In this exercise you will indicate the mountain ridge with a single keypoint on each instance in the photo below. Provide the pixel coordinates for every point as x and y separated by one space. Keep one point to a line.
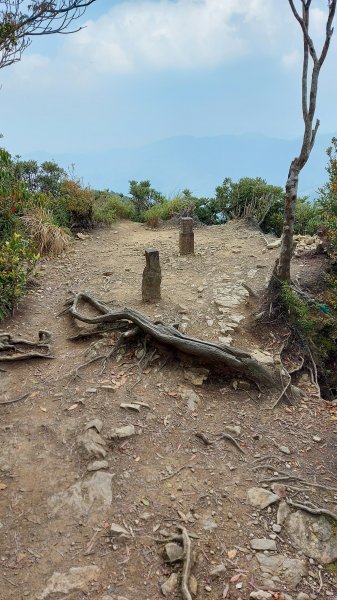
197 163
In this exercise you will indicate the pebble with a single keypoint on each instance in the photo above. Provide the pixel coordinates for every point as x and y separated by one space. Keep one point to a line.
317 438
263 544
208 588
277 528
284 449
170 584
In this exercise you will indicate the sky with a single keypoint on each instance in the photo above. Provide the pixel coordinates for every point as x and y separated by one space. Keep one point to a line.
145 70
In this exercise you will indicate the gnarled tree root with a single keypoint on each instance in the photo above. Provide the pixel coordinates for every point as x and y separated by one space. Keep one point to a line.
18 349
231 358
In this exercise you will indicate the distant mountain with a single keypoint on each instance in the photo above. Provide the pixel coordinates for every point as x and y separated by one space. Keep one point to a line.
199 164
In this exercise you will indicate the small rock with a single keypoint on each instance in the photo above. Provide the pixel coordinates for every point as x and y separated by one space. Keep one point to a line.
263 544
234 429
92 443
174 552
261 595
77 579
317 438
210 322
91 391
284 449
314 535
123 432
192 399
209 524
277 528
261 498
130 406
303 596
97 465
196 376
218 570
170 584
94 424
279 489
119 531
290 569
193 585
282 513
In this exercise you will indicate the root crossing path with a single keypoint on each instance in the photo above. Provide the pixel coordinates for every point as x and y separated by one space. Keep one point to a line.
96 467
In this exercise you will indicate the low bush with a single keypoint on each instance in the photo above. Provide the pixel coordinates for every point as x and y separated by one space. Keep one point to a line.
16 262
76 203
108 207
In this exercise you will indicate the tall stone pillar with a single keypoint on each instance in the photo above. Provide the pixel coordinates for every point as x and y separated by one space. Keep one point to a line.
186 236
151 276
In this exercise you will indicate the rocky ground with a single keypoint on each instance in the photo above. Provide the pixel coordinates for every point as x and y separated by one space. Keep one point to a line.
106 479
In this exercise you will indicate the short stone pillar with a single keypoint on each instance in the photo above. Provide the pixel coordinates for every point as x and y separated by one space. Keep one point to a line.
151 276
186 236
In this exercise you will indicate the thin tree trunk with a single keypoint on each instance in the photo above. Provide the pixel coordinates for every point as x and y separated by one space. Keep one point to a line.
282 266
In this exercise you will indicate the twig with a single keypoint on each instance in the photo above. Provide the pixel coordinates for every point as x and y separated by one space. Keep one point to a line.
226 436
176 472
203 438
16 399
187 564
313 511
283 391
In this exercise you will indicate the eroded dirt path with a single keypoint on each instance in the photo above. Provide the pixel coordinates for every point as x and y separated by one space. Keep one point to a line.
56 515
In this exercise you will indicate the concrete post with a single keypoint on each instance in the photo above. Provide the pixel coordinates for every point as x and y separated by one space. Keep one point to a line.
186 236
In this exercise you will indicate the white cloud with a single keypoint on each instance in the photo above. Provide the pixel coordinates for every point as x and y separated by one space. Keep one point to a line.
292 59
162 34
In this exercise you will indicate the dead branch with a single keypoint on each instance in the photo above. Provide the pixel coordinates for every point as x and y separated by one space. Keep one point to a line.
187 544
226 436
231 358
176 472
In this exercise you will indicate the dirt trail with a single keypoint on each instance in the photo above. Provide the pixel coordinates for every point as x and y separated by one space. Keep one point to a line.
55 515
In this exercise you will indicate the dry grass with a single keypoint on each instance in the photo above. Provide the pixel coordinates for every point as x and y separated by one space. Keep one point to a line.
49 238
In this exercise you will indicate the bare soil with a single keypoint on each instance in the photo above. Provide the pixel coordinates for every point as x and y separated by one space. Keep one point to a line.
164 476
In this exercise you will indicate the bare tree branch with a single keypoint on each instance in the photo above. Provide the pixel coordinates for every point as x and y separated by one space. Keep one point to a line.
19 22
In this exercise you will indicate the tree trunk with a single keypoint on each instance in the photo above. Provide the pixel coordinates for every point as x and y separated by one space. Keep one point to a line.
282 265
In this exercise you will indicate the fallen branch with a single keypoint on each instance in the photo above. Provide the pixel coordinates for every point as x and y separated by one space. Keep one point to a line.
221 436
226 436
176 472
187 544
231 358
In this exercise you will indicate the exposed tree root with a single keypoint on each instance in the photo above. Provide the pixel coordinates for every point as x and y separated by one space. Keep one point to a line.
14 349
15 399
313 510
230 358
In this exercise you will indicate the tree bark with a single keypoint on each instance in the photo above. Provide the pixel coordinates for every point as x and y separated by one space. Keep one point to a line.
282 266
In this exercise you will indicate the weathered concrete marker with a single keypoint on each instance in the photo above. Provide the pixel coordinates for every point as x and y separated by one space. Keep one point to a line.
151 276
186 236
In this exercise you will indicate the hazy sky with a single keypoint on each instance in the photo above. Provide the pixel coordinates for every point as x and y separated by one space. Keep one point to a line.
143 70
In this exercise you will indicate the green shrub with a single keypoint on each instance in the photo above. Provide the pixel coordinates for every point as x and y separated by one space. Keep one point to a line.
298 311
77 203
109 206
16 262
